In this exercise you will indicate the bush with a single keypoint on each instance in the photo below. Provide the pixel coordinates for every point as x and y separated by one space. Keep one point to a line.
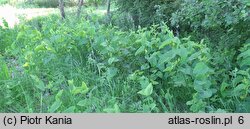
148 12
3 2
6 37
226 20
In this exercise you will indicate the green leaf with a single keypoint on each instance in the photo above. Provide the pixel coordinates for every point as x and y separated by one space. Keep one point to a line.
112 59
84 86
165 43
153 59
245 62
237 80
76 90
240 88
59 95
112 110
201 68
186 70
194 56
179 79
145 66
144 81
55 106
111 72
4 71
82 103
85 89
223 87
206 94
166 57
147 91
40 47
71 84
140 50
38 83
109 110
245 54
70 110
182 52
117 109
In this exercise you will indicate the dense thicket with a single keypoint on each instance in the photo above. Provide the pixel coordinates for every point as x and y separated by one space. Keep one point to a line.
226 20
175 56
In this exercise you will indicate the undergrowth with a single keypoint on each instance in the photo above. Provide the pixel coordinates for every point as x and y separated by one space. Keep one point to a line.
49 65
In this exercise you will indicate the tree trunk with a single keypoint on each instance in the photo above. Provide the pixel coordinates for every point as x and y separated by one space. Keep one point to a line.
108 9
96 3
61 6
80 4
136 20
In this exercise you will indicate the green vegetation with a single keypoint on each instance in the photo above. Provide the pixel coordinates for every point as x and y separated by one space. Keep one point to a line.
36 3
3 2
51 3
163 59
